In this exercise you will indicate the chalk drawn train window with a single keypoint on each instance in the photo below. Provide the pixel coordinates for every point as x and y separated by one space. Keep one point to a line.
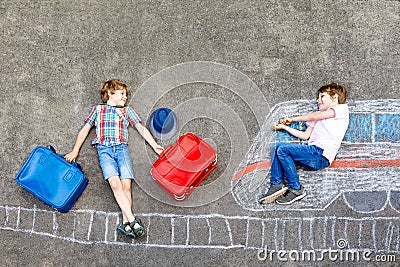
365 172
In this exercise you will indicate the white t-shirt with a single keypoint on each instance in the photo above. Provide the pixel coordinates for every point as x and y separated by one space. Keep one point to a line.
328 133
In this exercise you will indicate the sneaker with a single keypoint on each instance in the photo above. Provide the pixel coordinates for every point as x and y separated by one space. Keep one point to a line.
291 196
273 193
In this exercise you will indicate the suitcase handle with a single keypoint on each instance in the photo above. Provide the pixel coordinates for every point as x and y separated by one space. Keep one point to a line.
52 149
76 164
191 135
170 147
165 151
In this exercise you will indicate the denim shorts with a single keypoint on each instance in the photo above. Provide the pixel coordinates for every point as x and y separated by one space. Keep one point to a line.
115 161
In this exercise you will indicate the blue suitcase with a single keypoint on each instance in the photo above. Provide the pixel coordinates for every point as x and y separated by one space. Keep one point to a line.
53 180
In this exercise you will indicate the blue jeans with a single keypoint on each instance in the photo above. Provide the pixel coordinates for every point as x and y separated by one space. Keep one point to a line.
284 156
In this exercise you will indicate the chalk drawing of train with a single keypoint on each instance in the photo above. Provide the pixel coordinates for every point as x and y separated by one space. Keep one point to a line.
366 171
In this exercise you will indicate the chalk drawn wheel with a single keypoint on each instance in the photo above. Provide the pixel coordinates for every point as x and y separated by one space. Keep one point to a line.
366 201
395 200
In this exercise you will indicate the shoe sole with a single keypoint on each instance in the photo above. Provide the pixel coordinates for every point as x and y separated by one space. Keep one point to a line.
271 198
293 200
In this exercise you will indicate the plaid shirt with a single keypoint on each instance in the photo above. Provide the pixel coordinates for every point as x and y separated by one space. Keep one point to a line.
111 124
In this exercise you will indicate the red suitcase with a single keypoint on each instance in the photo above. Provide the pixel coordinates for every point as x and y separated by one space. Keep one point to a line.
181 167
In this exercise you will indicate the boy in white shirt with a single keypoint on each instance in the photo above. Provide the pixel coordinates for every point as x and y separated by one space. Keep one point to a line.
325 131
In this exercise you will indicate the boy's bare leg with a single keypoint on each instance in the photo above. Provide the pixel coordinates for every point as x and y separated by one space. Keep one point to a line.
124 202
126 187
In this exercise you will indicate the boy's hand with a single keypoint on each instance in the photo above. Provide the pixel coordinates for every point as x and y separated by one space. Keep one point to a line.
71 156
278 127
286 121
158 149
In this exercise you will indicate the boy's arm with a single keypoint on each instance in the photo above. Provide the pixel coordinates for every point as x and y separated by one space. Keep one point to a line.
314 116
303 135
83 133
145 133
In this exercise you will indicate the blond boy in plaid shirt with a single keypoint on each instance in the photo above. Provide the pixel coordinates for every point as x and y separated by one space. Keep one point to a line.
111 121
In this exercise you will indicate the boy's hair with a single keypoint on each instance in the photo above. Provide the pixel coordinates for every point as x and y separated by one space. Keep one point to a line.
111 86
334 89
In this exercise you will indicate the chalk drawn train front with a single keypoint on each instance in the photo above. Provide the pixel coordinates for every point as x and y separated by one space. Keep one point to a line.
365 172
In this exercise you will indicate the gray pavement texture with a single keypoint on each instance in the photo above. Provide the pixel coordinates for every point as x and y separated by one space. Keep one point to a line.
221 65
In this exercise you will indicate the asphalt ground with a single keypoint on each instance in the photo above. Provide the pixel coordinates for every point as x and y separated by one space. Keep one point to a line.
222 66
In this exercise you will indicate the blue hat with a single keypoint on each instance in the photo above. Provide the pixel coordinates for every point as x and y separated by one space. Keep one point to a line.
163 124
